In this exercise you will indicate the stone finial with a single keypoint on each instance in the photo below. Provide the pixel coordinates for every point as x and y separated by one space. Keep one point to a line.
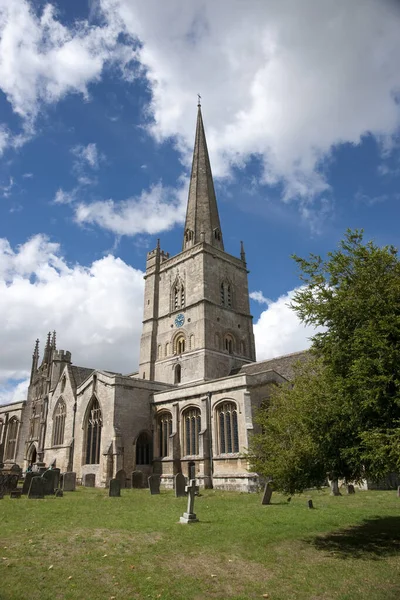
242 252
36 349
53 340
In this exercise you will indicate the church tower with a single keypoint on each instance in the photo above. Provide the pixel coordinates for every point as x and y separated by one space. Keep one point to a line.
197 324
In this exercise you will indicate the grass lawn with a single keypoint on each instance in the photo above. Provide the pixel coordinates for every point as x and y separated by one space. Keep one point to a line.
89 546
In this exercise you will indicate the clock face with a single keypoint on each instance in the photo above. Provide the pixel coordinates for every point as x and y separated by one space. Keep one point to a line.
179 320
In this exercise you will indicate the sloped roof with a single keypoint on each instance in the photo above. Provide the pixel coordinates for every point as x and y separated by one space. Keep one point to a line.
284 365
80 373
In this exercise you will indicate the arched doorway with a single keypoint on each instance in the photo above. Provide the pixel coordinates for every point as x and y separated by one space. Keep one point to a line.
32 456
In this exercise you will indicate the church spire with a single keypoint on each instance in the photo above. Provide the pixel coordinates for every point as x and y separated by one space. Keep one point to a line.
202 219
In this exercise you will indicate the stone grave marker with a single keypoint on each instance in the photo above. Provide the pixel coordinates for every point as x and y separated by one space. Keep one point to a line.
310 503
58 493
137 479
180 484
27 481
69 481
121 476
36 490
154 484
89 480
15 494
335 488
51 478
350 489
189 516
114 490
266 499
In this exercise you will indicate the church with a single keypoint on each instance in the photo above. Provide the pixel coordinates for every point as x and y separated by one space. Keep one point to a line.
190 407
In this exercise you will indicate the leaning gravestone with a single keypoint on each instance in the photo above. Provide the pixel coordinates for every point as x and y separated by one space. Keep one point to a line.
180 484
266 499
69 482
114 490
121 476
27 481
154 484
36 490
89 480
137 479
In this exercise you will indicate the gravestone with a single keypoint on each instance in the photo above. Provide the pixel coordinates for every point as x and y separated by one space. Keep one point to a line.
27 481
114 490
36 490
335 488
350 489
180 484
89 480
154 484
266 499
51 478
58 493
398 492
69 481
189 516
121 476
15 494
137 479
310 503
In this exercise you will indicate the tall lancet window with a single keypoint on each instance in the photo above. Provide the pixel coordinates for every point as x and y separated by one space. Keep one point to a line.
178 295
94 425
59 423
12 434
164 426
228 434
191 431
226 294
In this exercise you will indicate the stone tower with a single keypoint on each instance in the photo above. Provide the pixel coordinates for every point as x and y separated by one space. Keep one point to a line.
197 324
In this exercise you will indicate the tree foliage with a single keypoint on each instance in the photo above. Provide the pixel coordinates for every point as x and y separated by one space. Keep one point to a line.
346 400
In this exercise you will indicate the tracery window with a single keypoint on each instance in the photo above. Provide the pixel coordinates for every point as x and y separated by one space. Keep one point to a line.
59 423
191 430
12 434
34 425
164 426
228 435
94 425
144 449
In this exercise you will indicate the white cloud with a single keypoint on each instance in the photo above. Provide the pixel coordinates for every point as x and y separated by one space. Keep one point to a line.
41 59
97 310
259 297
4 138
153 211
281 79
87 154
13 391
63 197
279 331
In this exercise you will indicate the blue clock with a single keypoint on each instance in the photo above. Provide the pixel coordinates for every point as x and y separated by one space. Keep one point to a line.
179 320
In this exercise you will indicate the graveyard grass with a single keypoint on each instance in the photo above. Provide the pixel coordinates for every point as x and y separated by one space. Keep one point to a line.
87 545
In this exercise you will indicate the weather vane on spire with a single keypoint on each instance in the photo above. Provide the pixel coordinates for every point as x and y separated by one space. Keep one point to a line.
198 100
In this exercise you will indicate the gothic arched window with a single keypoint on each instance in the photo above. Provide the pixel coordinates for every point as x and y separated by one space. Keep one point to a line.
178 298
180 344
59 423
228 435
94 425
144 449
177 374
12 434
229 344
191 421
164 427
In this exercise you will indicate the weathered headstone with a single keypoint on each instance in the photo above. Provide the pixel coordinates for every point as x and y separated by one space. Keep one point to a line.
154 484
350 489
310 503
27 481
36 490
69 481
121 476
266 499
51 478
180 484
335 488
114 490
15 494
137 479
89 480
189 516
58 493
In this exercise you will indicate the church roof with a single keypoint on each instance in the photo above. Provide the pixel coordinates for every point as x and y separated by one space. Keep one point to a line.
80 374
284 365
202 219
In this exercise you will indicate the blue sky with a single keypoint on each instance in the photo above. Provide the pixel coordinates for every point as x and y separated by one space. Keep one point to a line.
97 119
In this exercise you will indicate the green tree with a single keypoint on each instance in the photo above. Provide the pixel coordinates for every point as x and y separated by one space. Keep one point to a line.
347 399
